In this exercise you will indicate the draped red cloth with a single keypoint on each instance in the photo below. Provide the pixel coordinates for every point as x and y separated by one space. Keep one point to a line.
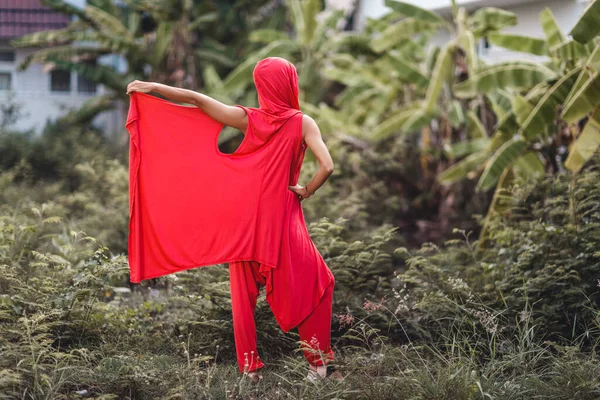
192 206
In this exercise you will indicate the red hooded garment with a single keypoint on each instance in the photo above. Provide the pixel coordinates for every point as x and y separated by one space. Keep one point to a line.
193 206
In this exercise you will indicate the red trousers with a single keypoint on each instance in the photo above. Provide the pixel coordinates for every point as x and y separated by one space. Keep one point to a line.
314 331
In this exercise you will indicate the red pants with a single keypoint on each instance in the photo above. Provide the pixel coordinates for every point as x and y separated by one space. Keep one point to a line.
314 330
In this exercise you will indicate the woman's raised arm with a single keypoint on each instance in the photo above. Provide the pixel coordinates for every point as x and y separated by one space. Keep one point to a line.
227 115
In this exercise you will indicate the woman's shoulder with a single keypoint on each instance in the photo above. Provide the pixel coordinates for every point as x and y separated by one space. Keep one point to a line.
308 123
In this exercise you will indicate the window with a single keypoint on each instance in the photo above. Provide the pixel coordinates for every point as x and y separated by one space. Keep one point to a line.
60 80
84 85
5 81
483 46
7 56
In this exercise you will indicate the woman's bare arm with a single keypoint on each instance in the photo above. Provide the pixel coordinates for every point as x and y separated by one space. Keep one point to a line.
314 141
227 115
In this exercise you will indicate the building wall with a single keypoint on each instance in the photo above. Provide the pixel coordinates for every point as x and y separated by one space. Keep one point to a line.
566 12
31 91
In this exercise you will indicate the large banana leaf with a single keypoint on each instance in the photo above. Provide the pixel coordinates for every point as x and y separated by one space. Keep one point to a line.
490 19
466 40
109 24
415 12
545 112
465 148
395 123
409 73
86 112
521 107
528 167
420 119
266 35
588 26
523 44
507 121
572 50
463 168
399 32
431 58
584 101
241 77
475 127
456 114
586 144
310 9
50 38
65 52
441 74
325 27
304 16
592 63
65 7
554 35
517 75
500 101
503 158
214 85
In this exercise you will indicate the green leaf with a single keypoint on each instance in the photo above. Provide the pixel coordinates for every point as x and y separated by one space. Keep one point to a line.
241 77
572 50
214 85
491 19
517 75
409 73
466 40
395 123
475 127
588 26
266 36
463 168
399 32
109 24
500 101
415 12
465 148
322 32
586 99
431 58
529 166
420 119
310 10
503 158
442 73
65 53
519 43
521 107
586 144
554 35
456 115
545 112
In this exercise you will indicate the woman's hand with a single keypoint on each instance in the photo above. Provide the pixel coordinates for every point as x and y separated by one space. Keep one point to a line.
140 86
300 192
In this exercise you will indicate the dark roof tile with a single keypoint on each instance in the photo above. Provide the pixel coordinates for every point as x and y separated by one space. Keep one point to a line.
20 17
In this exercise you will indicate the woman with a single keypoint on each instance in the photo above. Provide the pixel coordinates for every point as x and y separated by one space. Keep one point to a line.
299 288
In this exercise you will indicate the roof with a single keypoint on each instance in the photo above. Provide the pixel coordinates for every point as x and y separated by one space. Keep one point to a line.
20 17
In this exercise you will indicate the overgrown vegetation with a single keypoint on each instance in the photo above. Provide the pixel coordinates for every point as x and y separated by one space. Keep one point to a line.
423 308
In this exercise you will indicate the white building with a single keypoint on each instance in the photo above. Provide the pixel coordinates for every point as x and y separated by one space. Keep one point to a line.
41 94
566 12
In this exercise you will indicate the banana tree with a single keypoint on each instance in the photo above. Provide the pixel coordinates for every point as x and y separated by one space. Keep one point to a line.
554 107
309 44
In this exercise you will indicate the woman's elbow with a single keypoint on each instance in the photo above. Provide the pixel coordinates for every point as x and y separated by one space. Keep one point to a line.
328 168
